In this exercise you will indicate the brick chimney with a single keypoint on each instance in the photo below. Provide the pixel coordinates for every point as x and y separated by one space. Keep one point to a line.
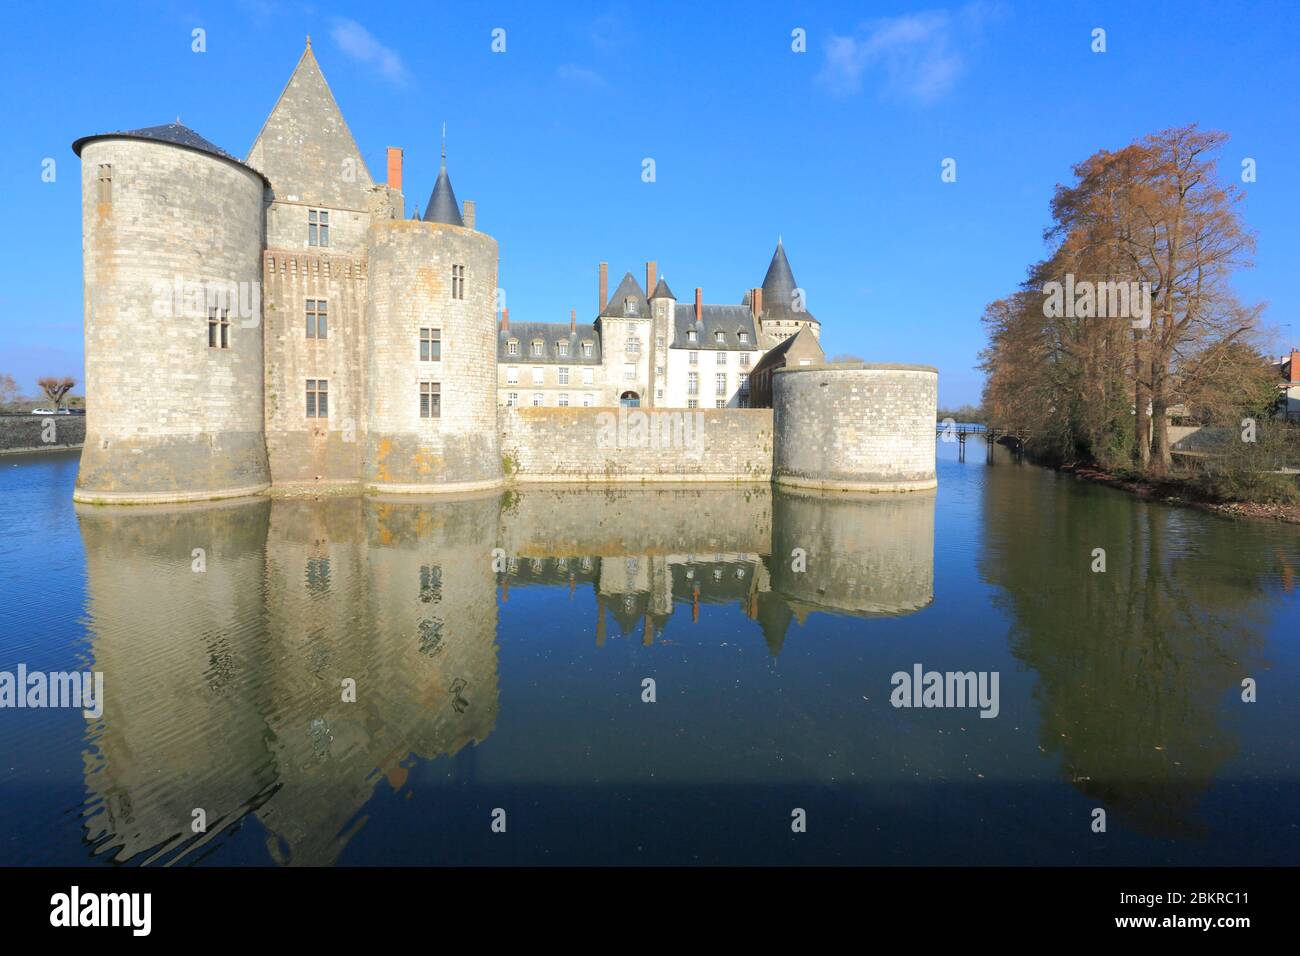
604 287
395 168
651 271
573 320
467 216
756 302
699 305
1295 366
505 320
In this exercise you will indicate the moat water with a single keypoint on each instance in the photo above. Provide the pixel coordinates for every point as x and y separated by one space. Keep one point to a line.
500 650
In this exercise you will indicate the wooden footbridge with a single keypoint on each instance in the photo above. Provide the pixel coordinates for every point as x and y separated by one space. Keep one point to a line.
992 434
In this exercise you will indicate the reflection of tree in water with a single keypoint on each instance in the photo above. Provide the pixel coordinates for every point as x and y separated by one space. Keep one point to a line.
1134 664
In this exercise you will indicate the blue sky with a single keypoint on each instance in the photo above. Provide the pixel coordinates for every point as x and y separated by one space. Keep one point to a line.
837 149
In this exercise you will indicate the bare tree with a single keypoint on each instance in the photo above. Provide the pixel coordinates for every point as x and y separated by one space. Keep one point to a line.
55 388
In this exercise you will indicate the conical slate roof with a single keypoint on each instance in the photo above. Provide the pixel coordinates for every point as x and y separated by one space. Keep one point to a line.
442 205
174 133
629 288
778 288
662 291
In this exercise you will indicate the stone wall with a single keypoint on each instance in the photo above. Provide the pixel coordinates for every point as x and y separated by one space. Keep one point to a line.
410 288
168 417
29 432
855 426
636 445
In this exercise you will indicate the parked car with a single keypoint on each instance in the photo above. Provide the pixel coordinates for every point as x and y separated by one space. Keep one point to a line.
51 411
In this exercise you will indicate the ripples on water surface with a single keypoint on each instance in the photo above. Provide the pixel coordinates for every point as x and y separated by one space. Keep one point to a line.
522 689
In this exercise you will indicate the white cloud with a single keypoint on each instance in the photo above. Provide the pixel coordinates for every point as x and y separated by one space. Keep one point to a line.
357 42
917 56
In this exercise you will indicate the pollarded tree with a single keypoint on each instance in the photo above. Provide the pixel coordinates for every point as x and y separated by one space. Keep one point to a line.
55 388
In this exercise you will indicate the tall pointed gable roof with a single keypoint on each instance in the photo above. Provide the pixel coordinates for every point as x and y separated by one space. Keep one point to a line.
779 286
629 288
305 147
442 206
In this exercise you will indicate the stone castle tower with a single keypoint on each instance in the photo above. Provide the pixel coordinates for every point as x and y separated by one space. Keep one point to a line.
225 298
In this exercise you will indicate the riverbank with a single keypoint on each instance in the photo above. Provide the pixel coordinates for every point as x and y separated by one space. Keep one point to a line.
1180 492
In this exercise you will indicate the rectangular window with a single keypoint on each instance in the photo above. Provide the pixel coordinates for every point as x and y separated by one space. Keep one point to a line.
745 358
458 282
430 400
317 319
512 347
744 338
633 346
218 328
537 399
629 372
659 341
586 401
722 358
690 335
318 405
539 376
318 227
722 383
104 184
693 358
512 399
586 350
588 376
744 382
693 383
562 349
564 375
692 403
430 345
539 349
564 399
720 337
720 403
512 375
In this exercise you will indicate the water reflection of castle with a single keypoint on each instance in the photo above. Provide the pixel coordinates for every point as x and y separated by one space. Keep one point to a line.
224 686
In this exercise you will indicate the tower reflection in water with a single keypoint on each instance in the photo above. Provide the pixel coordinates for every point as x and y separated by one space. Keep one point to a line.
226 686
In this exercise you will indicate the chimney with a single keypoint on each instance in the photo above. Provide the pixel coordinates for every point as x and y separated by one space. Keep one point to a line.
467 216
756 302
395 168
505 320
1295 366
573 320
651 270
699 305
604 287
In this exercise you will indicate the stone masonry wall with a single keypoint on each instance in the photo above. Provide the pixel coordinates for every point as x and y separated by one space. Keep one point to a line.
636 445
855 426
28 432
170 419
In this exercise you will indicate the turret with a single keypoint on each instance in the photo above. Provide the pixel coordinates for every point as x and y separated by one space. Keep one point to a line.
172 235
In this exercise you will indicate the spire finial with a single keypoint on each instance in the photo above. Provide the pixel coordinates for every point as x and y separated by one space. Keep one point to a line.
309 41
444 143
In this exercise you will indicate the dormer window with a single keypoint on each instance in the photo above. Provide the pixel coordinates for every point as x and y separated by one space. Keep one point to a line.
629 306
691 335
586 350
538 348
562 348
720 338
512 347
744 337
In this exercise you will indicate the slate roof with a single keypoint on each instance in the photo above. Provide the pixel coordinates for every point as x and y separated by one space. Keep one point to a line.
730 320
628 288
174 133
661 290
550 333
775 355
442 206
778 289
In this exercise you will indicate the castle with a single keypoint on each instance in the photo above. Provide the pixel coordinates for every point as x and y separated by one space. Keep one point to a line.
279 321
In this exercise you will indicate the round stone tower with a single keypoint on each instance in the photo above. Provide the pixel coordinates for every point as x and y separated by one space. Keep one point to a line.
172 234
855 426
431 353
